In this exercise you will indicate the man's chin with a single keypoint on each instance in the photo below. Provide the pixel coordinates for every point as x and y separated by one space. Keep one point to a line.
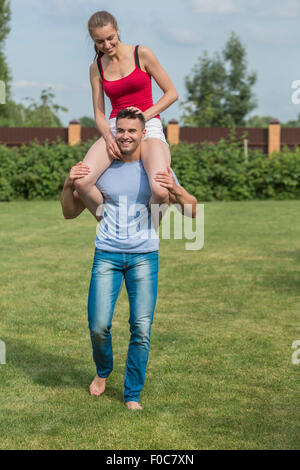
125 151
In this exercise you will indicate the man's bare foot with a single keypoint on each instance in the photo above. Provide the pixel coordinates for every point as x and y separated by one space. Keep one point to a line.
133 405
98 385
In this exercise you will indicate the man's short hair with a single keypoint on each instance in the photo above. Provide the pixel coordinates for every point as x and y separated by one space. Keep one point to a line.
131 114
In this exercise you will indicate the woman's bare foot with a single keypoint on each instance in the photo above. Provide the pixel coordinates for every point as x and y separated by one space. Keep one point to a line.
98 385
133 405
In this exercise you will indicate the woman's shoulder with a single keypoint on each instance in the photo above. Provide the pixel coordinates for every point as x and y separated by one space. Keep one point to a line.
144 51
146 56
94 66
94 72
94 69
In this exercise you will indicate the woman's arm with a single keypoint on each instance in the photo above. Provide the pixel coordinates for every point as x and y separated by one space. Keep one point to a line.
151 64
177 194
99 113
70 201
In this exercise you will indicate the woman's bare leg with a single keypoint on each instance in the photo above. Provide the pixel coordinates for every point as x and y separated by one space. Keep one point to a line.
156 157
98 161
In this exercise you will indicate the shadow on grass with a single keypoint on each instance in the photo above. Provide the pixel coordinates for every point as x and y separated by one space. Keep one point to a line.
286 282
295 254
53 370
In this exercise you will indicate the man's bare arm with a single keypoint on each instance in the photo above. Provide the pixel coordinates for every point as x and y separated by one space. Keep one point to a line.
71 204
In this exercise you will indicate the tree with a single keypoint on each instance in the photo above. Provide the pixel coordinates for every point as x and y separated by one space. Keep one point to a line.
263 121
36 114
292 123
205 88
219 89
87 121
42 113
259 121
16 115
5 75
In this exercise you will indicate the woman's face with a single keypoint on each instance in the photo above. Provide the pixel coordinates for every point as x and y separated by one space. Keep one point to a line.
106 38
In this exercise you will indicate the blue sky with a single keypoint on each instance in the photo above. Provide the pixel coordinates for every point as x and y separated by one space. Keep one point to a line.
49 46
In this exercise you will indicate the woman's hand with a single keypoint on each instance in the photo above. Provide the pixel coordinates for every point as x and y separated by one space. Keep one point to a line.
137 110
77 171
112 146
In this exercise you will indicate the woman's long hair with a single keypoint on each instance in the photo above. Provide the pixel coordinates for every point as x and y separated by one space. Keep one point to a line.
99 19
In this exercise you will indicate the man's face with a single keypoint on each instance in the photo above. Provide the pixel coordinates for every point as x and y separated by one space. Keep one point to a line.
129 134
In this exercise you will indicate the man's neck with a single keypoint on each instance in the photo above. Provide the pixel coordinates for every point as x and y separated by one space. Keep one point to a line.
133 157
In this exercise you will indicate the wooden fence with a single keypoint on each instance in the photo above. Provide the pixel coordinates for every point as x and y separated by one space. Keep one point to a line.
267 140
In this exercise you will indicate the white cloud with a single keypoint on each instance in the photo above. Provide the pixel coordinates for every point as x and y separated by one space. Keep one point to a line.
25 84
267 34
68 7
288 8
30 84
73 10
181 38
175 36
219 7
265 8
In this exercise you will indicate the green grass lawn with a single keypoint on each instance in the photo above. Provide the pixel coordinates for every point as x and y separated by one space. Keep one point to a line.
220 374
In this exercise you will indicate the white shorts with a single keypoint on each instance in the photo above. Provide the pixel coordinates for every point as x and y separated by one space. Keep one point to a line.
154 129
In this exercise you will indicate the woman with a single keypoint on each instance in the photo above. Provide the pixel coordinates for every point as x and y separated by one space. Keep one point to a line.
124 73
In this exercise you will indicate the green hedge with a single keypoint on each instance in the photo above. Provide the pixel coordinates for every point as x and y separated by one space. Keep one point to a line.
220 172
37 171
209 171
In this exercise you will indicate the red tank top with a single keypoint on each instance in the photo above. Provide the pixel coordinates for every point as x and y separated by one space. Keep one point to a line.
133 90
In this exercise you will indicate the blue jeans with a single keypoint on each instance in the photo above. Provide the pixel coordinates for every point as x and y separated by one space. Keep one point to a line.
140 271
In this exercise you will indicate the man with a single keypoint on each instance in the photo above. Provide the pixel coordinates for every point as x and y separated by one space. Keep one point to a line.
126 248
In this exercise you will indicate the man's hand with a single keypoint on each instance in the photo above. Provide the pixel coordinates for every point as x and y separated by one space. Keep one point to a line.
166 180
77 171
177 194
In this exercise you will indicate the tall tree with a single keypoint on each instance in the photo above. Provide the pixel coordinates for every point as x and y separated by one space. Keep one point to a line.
5 75
205 87
219 89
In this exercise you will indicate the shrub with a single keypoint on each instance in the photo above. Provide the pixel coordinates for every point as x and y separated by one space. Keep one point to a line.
208 171
37 171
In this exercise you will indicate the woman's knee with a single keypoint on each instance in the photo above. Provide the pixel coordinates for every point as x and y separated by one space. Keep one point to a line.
98 161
